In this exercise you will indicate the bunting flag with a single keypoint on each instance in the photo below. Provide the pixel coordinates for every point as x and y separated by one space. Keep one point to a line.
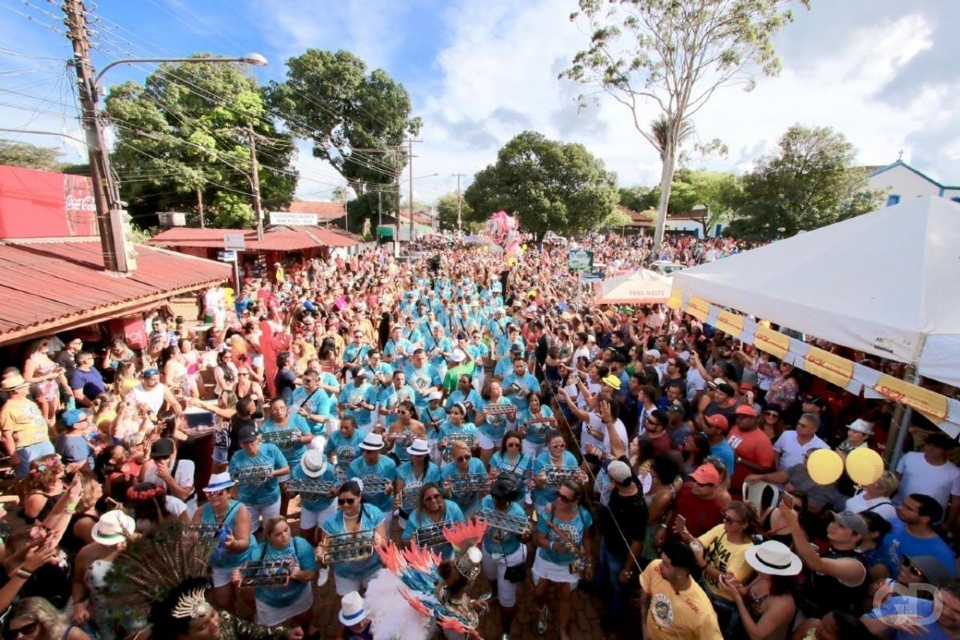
855 378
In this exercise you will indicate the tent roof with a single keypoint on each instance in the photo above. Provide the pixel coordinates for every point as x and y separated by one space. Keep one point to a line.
637 287
884 283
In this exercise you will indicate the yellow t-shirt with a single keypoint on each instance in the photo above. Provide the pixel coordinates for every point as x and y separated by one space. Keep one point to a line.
726 556
22 418
687 615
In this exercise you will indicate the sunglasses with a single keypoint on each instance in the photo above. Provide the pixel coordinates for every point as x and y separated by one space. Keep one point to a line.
343 501
729 520
25 630
565 498
436 497
213 494
911 567
463 458
513 445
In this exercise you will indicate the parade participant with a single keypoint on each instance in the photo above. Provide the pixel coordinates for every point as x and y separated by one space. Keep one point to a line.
766 605
532 430
315 508
379 373
232 521
466 394
455 429
672 604
22 425
402 432
257 468
293 425
423 378
343 446
518 384
391 397
287 604
378 473
505 552
313 404
511 459
432 509
354 618
433 416
358 400
554 457
396 349
355 516
492 424
462 464
565 553
412 475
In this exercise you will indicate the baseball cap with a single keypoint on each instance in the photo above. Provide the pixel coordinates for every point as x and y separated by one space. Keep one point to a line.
515 348
619 471
706 474
850 520
247 433
655 353
933 570
746 410
162 448
719 421
73 417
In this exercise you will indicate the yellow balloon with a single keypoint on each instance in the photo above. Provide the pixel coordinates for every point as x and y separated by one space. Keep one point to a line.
824 466
864 466
511 262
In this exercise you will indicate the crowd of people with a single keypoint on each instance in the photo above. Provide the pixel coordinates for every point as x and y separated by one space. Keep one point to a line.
630 452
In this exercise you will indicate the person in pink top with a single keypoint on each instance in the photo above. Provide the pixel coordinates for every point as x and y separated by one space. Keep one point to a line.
752 448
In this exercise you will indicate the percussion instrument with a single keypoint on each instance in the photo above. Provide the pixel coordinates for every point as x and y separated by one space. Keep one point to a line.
408 499
430 535
504 521
283 438
251 475
469 482
204 530
348 546
469 439
310 489
540 426
499 409
266 574
376 484
556 475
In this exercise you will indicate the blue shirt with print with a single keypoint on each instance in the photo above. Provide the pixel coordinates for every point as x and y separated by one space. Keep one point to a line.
495 540
352 395
573 529
259 494
421 379
346 449
370 518
317 402
310 501
543 497
297 423
418 518
468 501
384 469
910 606
494 426
412 482
297 552
536 434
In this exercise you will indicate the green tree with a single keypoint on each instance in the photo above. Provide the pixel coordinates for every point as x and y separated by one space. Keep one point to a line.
547 185
808 182
183 138
675 53
715 194
29 156
356 120
447 214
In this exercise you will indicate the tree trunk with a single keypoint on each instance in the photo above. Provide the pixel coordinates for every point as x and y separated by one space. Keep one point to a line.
666 182
203 222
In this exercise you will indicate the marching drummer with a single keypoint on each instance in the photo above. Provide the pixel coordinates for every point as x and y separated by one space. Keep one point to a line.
257 468
412 475
428 518
461 477
315 508
355 516
378 473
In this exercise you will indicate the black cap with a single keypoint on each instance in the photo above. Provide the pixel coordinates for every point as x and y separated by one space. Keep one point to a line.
247 432
162 448
505 487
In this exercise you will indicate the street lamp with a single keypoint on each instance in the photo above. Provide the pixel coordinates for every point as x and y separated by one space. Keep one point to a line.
106 195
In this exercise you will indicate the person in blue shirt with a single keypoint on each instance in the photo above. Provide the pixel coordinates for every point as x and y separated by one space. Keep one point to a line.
438 346
290 602
715 427
519 383
358 399
294 426
502 549
432 509
493 424
531 426
257 467
466 394
315 508
403 432
562 538
885 620
412 334
398 348
913 534
456 429
354 353
313 404
391 397
343 446
422 377
433 416
378 473
412 475
354 516
463 464
555 456
379 373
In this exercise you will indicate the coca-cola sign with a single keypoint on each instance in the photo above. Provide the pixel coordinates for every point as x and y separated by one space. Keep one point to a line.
81 209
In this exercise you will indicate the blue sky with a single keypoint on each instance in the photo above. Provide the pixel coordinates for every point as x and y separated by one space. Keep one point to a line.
480 71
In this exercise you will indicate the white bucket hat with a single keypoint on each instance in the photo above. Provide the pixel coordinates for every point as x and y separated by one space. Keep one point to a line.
862 426
113 527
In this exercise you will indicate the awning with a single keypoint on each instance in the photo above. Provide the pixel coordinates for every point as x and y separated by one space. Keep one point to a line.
298 239
48 287
384 231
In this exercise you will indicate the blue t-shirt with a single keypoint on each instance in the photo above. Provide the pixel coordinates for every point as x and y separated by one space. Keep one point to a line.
422 379
724 451
352 395
310 501
221 558
317 402
73 449
418 519
385 468
520 386
536 434
521 466
90 382
472 398
495 540
573 529
370 518
412 483
543 497
909 606
265 493
346 449
297 423
494 426
466 432
470 500
899 543
354 354
390 397
299 553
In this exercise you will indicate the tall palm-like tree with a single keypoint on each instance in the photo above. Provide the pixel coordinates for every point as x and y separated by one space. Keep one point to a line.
661 130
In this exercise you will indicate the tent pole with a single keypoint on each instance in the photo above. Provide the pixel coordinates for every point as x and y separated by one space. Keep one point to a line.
911 377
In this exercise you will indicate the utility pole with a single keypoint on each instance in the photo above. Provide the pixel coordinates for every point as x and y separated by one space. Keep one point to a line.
255 182
410 142
459 202
396 233
106 197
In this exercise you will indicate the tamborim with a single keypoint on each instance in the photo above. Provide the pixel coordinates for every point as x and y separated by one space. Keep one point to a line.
504 521
266 574
348 547
251 475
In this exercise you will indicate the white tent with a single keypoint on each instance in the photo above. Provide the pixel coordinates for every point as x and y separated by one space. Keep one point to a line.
639 287
885 283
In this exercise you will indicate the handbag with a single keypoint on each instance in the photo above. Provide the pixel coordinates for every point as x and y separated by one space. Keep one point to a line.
515 574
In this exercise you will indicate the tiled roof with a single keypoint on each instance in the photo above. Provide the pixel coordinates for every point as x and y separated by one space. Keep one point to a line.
288 240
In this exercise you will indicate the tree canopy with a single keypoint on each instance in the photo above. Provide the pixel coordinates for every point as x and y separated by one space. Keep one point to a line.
183 137
447 214
357 121
29 156
675 54
810 181
547 185
717 193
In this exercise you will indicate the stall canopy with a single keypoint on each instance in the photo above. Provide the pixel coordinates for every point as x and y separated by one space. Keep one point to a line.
884 283
638 287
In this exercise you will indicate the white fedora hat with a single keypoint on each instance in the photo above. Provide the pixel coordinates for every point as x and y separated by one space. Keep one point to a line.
774 558
313 463
351 609
113 527
372 442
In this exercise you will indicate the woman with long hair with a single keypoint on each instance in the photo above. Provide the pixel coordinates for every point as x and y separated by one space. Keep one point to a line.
126 378
695 451
37 619
412 475
765 605
565 554
225 373
531 427
454 429
463 468
492 425
353 517
233 546
44 486
432 511
79 531
404 430
772 421
90 570
511 458
554 459
784 387
40 370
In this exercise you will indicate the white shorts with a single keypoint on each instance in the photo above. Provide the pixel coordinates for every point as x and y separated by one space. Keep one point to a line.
495 565
387 520
310 519
485 442
271 616
533 449
347 585
222 576
553 572
266 512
